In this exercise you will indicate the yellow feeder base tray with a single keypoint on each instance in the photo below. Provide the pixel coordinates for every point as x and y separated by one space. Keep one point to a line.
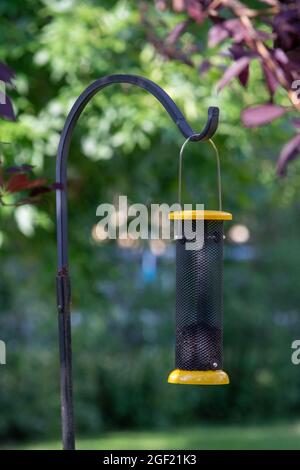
198 377
200 215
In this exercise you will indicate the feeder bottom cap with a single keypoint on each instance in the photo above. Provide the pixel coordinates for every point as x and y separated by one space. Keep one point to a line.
198 377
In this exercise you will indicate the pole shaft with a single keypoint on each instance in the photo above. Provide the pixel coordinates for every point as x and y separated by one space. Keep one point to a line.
66 388
63 291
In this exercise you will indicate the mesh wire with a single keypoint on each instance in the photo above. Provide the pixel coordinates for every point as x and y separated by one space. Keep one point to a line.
199 304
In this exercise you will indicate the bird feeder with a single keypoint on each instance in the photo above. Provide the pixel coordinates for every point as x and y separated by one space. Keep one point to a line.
199 303
199 275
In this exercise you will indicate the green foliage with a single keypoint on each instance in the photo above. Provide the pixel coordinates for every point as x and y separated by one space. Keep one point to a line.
125 144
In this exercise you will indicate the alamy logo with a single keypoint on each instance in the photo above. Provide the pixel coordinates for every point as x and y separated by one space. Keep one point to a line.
296 353
137 221
2 93
2 352
296 91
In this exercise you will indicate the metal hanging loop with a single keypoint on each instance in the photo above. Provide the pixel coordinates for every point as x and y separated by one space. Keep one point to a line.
219 181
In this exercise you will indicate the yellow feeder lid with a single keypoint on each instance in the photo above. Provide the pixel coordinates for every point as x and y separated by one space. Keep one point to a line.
198 377
200 215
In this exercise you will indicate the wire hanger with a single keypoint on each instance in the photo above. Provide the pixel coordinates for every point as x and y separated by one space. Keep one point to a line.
219 182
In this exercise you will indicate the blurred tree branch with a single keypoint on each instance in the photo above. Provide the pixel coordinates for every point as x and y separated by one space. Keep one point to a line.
267 33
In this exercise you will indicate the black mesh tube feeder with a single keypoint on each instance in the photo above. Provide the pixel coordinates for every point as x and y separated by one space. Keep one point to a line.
199 274
199 301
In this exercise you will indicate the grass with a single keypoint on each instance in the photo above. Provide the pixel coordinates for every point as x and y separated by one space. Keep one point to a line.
206 437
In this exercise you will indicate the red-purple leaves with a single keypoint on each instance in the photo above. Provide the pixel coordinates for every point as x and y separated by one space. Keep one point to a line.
288 153
217 34
235 70
196 11
19 179
177 32
296 123
244 76
240 25
262 114
271 81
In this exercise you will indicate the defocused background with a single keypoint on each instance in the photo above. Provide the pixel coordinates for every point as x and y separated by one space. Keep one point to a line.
123 293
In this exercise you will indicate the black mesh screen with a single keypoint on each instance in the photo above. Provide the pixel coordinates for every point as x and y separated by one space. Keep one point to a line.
199 279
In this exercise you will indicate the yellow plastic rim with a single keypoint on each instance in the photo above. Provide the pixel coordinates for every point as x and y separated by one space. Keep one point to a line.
200 215
198 377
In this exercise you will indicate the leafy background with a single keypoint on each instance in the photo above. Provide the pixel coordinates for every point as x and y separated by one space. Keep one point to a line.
123 313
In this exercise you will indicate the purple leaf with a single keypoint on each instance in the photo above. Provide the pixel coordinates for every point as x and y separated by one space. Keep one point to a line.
19 169
263 36
177 32
281 56
221 31
204 67
262 114
293 59
244 76
234 70
6 110
288 153
271 81
237 30
178 5
217 34
296 123
195 10
237 51
6 74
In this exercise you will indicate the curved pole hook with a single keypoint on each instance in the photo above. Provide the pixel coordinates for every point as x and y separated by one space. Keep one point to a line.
64 145
63 282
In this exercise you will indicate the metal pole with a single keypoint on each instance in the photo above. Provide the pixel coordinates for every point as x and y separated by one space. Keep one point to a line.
63 281
65 351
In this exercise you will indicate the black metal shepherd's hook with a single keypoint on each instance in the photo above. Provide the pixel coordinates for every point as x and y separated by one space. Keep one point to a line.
63 280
